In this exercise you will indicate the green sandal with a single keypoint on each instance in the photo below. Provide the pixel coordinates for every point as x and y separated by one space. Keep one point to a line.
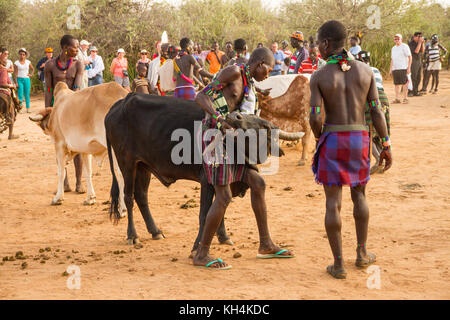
218 260
273 255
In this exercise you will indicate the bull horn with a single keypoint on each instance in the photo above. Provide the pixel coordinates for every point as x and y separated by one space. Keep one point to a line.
290 136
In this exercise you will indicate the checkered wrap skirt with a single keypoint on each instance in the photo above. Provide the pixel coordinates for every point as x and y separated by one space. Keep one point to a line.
342 158
185 92
217 168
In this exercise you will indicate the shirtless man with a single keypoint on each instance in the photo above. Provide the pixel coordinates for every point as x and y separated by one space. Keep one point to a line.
68 69
184 66
343 86
229 91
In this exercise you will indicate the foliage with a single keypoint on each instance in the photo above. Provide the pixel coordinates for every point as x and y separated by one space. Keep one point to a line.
138 24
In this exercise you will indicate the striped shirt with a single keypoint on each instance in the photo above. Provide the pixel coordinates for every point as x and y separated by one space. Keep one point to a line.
296 59
433 52
307 66
378 78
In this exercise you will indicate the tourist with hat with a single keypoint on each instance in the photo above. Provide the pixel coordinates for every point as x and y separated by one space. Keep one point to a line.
144 60
95 72
119 68
300 53
41 64
22 77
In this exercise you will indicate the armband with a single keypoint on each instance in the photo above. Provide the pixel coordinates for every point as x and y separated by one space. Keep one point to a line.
49 90
315 110
386 143
375 103
212 87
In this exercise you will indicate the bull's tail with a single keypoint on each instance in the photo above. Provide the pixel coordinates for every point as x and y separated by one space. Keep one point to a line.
114 208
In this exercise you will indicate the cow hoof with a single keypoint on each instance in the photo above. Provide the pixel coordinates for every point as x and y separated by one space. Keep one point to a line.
301 163
159 236
57 202
80 190
193 253
123 213
134 241
227 242
89 201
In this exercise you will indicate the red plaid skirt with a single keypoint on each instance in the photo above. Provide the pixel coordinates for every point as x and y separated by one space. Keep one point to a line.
342 158
185 92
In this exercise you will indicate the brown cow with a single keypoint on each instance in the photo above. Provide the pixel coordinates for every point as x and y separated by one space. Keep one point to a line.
290 111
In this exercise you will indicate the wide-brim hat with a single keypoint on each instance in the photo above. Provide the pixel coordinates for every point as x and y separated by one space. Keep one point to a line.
93 48
120 51
84 43
144 51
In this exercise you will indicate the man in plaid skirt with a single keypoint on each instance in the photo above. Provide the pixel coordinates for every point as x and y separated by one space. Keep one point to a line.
233 90
341 89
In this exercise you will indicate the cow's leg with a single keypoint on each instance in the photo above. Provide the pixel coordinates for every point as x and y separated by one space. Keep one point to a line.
78 163
61 163
142 183
206 197
12 136
129 176
305 146
122 206
87 169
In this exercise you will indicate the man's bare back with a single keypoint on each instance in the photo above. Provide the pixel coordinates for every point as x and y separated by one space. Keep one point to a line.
345 108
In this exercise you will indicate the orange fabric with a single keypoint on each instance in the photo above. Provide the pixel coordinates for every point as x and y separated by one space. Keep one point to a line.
214 64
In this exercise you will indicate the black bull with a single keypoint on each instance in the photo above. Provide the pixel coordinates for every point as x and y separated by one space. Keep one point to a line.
139 129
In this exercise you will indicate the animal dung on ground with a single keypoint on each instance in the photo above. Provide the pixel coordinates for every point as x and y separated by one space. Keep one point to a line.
189 204
24 265
288 189
237 255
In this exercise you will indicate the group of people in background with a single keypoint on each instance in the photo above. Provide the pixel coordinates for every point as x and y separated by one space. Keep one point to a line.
410 62
420 58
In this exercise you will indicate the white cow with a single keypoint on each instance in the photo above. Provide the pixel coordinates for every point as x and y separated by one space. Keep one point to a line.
76 126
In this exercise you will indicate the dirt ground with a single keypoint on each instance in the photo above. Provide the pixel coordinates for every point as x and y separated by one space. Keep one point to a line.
409 226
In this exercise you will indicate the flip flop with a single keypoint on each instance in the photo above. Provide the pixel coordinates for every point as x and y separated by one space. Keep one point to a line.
362 263
273 255
209 264
338 274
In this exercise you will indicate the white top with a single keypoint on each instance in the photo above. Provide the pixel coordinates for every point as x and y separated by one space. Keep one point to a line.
23 69
9 65
399 56
97 66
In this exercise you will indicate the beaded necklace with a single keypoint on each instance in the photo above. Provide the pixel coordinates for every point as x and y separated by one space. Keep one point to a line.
342 59
248 82
58 64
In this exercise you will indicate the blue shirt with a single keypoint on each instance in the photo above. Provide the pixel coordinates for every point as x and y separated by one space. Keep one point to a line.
279 55
355 50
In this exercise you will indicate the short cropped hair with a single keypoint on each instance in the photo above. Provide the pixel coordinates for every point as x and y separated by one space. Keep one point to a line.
239 44
66 40
262 54
184 43
334 31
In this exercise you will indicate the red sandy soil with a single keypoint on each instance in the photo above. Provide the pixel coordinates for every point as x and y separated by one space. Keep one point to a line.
408 230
